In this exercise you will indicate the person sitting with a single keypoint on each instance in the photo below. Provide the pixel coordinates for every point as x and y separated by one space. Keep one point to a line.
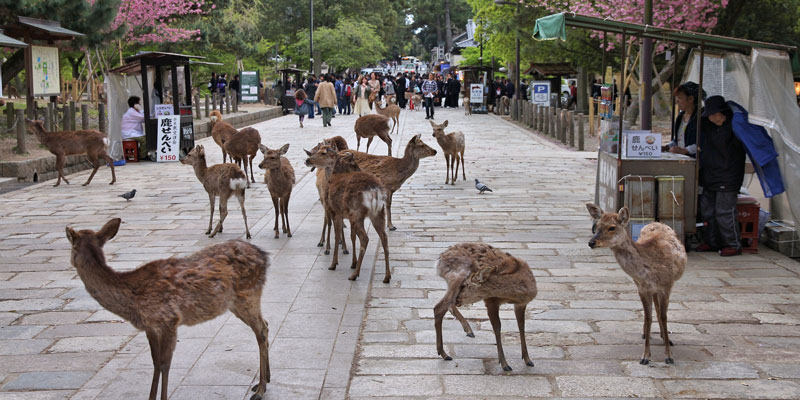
684 137
131 125
722 158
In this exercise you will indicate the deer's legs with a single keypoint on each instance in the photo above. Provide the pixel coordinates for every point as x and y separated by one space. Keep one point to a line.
223 212
519 312
389 212
250 313
493 308
95 165
288 229
388 141
329 223
447 166
168 341
110 162
357 226
369 141
276 205
211 199
440 309
378 224
155 348
325 220
244 163
344 242
337 235
358 141
463 173
252 179
353 240
60 158
462 320
453 169
240 197
647 303
661 315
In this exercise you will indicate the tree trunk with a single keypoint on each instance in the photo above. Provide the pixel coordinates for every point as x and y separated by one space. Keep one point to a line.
75 62
447 31
13 66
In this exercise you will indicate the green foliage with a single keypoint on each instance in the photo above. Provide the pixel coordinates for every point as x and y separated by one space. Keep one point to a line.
775 21
350 44
234 28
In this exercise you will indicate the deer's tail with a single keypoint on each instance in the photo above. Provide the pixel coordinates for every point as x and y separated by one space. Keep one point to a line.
375 200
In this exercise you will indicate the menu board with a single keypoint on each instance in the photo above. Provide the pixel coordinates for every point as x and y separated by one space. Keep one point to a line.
248 86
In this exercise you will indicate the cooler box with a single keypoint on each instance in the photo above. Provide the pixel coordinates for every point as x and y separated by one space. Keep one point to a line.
640 195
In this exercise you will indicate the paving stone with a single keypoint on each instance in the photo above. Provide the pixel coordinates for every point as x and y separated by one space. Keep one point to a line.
89 344
588 315
784 370
606 386
20 331
743 389
469 366
487 385
691 370
55 318
48 380
403 386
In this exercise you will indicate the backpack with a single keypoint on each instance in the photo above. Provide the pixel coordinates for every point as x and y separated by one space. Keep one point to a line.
348 91
221 85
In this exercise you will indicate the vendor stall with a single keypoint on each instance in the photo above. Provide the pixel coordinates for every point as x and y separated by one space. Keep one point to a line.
476 79
288 88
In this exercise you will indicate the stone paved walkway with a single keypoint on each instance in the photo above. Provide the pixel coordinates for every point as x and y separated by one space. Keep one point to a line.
734 321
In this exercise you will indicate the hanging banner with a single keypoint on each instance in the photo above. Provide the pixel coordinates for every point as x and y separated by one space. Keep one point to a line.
168 138
163 109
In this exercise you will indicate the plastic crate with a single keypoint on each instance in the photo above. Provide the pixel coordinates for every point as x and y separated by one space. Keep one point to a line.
130 149
747 215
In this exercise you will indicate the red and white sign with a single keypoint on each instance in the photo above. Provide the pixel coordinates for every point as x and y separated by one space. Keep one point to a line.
168 138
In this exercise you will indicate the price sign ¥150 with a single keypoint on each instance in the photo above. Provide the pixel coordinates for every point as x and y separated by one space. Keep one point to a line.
168 138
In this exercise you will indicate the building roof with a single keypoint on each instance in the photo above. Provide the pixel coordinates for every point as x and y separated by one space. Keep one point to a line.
6 41
133 64
39 29
546 69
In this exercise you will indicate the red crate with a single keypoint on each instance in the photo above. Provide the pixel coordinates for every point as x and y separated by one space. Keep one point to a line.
747 214
131 150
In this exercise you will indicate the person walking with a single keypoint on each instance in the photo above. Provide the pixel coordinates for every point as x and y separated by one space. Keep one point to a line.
400 90
363 90
212 83
338 86
301 107
348 94
310 88
453 89
429 90
326 98
222 83
234 87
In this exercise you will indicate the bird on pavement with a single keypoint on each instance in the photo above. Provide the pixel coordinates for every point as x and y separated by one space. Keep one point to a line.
128 196
481 187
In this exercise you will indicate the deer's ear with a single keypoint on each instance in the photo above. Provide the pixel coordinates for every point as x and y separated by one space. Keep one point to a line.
432 124
623 216
109 230
594 210
417 138
444 124
263 148
285 148
71 235
307 152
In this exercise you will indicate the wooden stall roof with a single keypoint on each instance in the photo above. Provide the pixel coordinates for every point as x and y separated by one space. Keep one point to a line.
475 68
6 41
292 71
550 69
133 64
39 29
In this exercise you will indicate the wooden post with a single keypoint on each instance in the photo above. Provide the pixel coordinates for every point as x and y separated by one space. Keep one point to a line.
10 115
235 98
52 117
207 105
547 116
101 117
559 134
580 132
541 119
84 116
214 101
228 102
72 112
21 145
48 118
571 126
535 120
553 122
196 101
591 116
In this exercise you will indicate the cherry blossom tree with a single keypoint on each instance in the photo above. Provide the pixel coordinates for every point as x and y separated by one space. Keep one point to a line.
152 21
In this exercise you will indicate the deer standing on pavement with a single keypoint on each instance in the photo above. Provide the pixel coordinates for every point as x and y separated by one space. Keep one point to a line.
221 132
392 111
393 172
279 177
478 271
370 126
243 148
92 142
221 180
355 196
654 262
161 295
452 144
338 143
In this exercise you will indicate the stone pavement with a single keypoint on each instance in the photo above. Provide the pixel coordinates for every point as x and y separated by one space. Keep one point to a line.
733 321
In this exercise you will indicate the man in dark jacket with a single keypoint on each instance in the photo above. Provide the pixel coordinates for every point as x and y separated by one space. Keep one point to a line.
722 158
453 90
510 89
234 86
400 90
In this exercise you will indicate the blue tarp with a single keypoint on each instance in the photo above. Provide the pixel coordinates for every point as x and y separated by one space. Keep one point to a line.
760 149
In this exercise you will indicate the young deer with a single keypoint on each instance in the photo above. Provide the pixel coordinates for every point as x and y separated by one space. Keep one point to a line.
654 262
339 144
370 126
392 111
452 145
478 271
355 196
279 177
243 148
66 143
161 295
221 132
218 180
393 172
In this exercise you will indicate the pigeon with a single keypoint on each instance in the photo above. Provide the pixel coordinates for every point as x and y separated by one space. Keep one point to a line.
480 186
128 196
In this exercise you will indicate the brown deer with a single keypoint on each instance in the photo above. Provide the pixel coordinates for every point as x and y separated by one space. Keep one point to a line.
243 148
370 126
393 172
279 177
417 99
392 111
452 145
338 143
159 296
478 271
221 132
355 196
11 92
91 142
654 262
221 180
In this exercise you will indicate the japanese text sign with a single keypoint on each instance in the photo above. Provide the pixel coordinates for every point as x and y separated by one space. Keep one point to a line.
642 144
168 138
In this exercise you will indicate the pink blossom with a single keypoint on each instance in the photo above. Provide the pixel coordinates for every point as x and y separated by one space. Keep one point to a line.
148 20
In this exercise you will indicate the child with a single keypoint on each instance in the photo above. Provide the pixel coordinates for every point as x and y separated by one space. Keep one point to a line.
301 106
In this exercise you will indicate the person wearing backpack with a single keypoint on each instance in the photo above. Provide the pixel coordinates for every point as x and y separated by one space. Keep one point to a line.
348 94
222 83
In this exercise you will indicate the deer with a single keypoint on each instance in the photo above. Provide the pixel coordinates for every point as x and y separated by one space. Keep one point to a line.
478 271
655 262
452 145
91 142
243 148
355 196
221 180
159 296
11 91
392 111
338 143
221 132
417 99
279 177
369 126
393 172
505 105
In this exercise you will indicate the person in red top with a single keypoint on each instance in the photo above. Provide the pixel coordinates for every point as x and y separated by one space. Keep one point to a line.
573 95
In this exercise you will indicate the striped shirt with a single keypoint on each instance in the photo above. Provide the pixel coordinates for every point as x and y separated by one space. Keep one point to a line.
428 87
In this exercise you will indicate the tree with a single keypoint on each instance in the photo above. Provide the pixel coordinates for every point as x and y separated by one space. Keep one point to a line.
153 21
363 46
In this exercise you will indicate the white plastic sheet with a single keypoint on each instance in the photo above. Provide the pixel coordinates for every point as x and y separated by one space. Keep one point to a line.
120 88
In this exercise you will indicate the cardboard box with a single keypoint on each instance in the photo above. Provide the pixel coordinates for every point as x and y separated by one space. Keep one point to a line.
782 237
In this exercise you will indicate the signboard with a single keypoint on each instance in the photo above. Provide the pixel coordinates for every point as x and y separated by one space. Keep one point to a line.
476 93
248 86
163 109
46 71
540 93
609 75
168 137
642 144
607 183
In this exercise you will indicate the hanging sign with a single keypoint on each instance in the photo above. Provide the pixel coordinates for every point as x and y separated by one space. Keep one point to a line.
168 136
163 109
